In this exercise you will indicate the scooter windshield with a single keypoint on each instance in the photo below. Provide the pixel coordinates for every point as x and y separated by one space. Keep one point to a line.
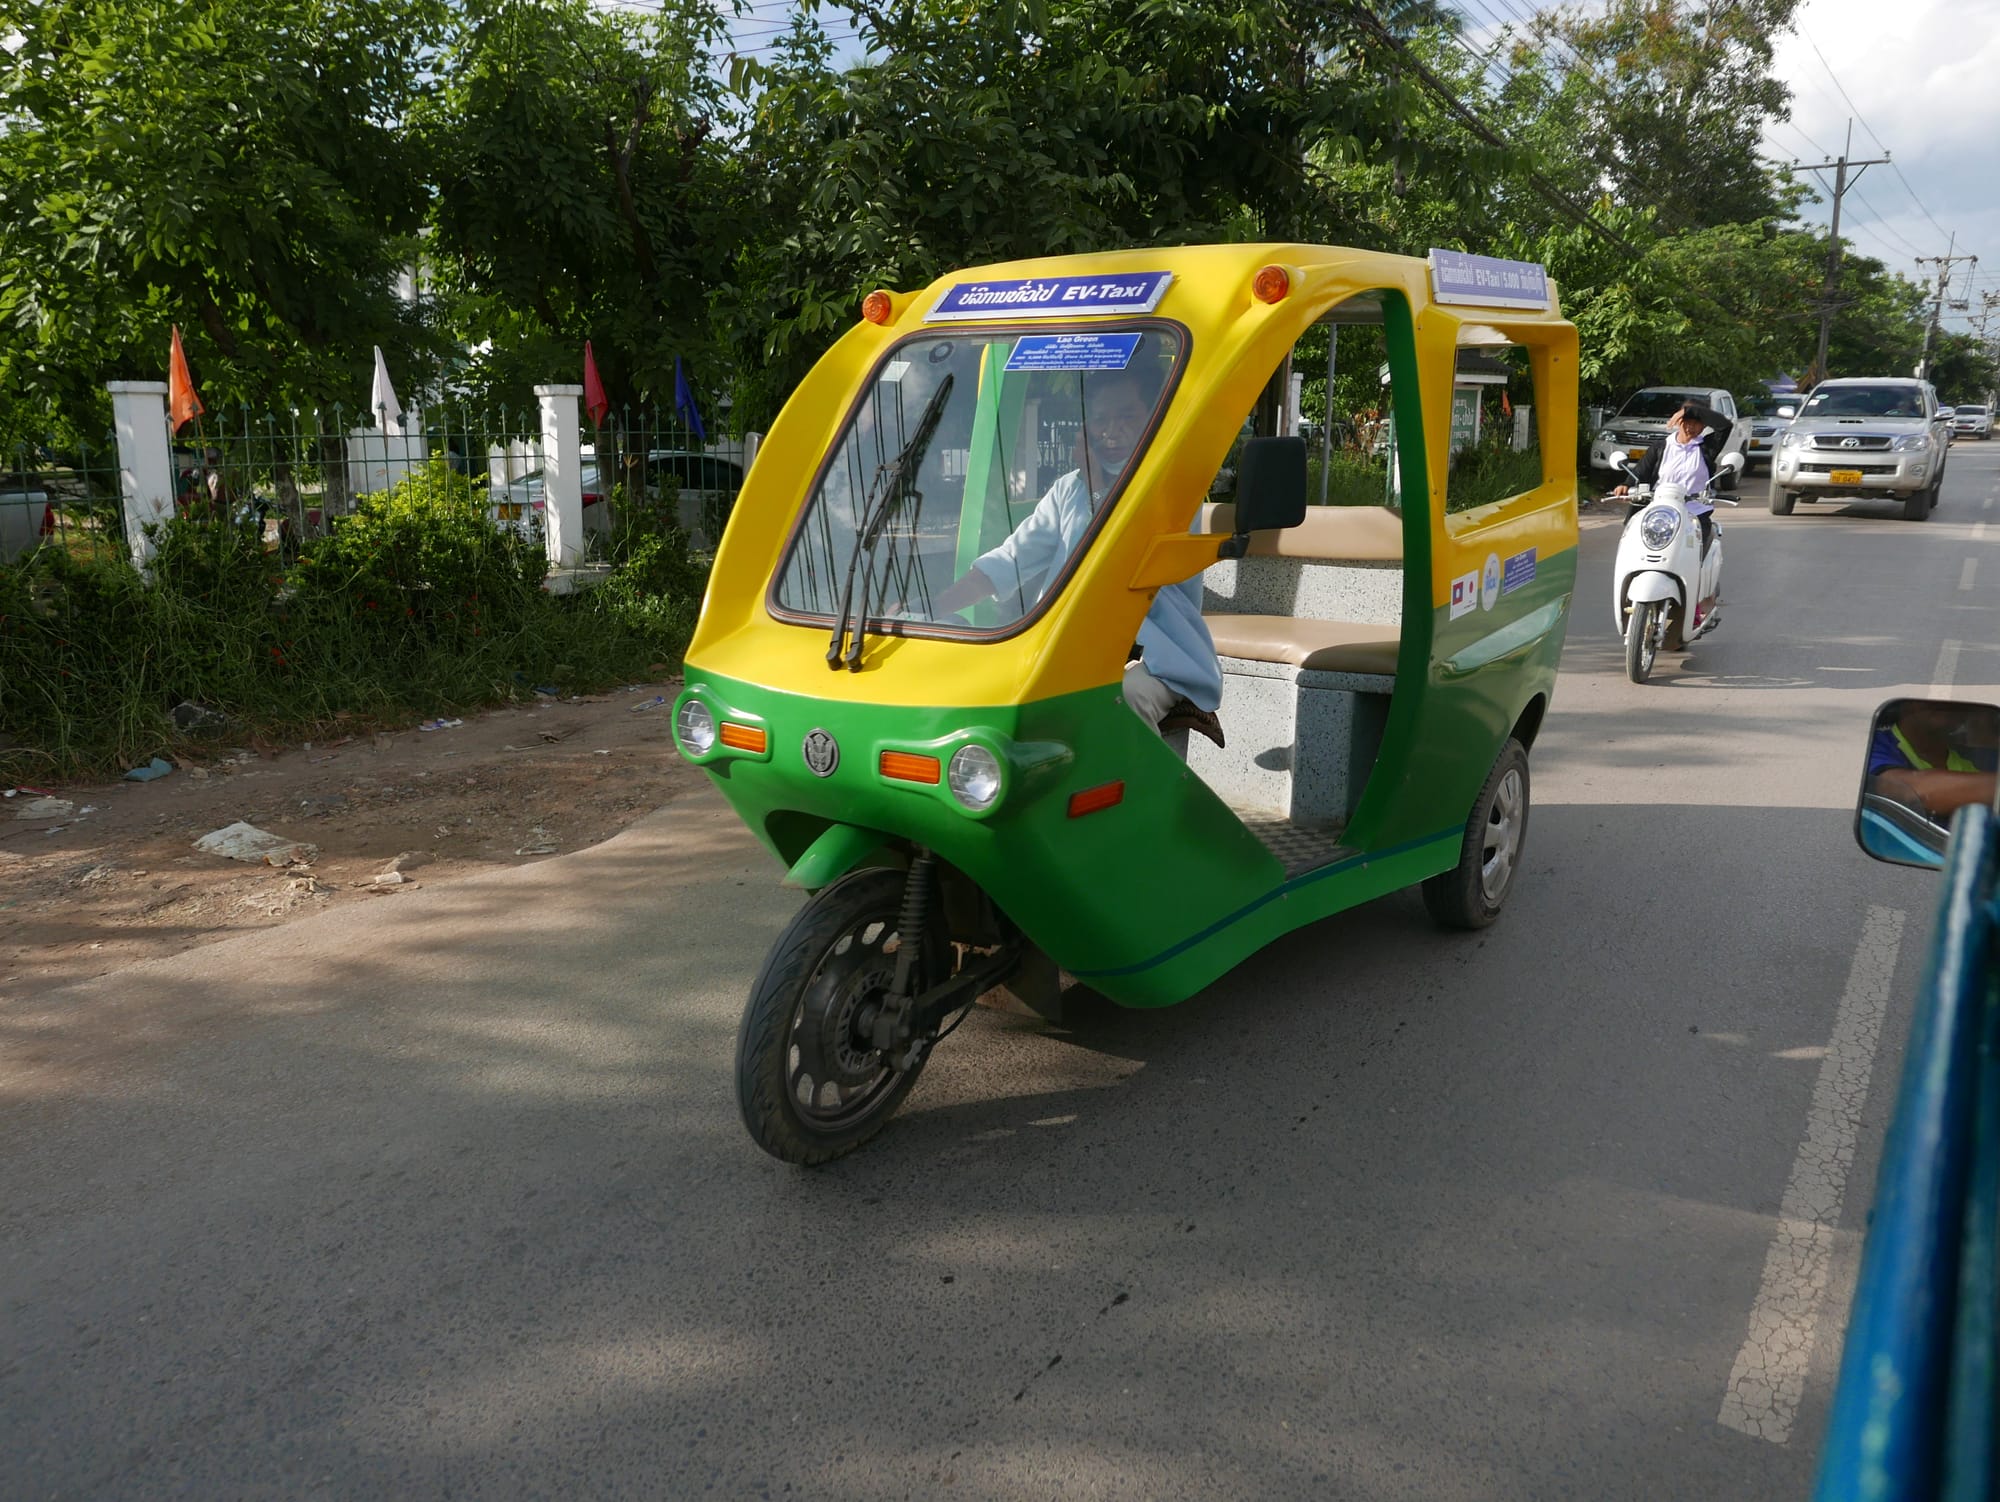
973 474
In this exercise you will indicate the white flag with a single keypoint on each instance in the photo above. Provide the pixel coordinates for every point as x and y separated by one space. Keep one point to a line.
382 399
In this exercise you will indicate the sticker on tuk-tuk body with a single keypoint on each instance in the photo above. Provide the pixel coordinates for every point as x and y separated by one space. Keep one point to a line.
1489 584
1464 594
1517 572
1073 351
1053 297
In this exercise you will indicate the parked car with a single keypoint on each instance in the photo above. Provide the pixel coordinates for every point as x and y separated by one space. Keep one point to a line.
1624 436
25 516
706 486
1864 436
1768 417
519 506
1974 421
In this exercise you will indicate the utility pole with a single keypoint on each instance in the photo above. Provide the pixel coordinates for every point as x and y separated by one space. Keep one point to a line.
1841 166
1944 263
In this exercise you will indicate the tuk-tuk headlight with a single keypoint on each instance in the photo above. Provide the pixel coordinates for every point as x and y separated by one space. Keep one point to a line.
975 777
1657 527
696 726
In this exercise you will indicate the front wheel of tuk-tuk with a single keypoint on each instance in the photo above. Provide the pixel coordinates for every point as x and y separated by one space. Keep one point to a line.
1471 893
809 1081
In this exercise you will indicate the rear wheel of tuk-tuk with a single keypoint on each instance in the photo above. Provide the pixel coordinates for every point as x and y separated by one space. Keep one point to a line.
1470 895
809 1081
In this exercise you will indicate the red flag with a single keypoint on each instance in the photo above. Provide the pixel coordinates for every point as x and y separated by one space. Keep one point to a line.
594 400
1506 407
183 406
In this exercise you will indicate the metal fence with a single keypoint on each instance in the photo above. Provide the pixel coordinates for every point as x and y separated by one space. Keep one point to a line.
296 474
61 494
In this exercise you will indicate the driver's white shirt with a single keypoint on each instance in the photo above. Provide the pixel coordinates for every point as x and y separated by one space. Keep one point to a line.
1174 638
1684 464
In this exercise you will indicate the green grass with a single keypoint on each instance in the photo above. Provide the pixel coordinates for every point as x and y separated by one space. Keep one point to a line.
415 605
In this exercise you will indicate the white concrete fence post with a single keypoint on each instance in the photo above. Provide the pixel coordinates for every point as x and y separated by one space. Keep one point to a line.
562 469
145 460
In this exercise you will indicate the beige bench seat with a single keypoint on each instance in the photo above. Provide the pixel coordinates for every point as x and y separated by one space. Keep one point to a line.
1315 646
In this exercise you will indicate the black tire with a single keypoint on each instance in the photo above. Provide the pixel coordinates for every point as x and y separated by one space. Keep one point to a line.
1641 649
1782 500
1916 505
1471 894
837 952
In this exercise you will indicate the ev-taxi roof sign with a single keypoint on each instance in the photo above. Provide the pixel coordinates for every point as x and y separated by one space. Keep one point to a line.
1053 297
1487 282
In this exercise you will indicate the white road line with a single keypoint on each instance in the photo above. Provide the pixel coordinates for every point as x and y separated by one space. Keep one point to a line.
1762 1399
1968 573
1946 669
1979 531
1987 504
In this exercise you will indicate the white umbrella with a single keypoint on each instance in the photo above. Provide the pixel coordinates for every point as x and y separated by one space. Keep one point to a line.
382 399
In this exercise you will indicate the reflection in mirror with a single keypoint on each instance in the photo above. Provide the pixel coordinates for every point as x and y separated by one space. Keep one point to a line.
1927 758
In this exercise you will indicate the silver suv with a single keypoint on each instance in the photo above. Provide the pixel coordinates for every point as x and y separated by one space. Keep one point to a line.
1864 436
1624 437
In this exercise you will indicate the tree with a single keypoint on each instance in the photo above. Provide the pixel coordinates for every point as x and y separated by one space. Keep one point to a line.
584 190
1670 98
236 168
977 133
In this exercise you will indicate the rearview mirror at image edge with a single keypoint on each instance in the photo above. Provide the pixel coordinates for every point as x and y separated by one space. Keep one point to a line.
1926 759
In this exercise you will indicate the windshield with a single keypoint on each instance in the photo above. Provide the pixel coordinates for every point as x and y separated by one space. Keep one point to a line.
979 465
1865 401
1659 403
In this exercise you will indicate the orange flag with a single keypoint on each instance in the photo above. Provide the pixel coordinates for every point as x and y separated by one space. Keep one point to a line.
183 406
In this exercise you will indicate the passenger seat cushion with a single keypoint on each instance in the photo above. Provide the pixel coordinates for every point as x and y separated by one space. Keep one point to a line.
1317 646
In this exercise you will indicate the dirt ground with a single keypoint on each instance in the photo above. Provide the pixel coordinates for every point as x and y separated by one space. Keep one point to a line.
117 880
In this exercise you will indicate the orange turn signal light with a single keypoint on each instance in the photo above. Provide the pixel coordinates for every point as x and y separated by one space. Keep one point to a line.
1272 284
907 766
744 737
1093 800
876 307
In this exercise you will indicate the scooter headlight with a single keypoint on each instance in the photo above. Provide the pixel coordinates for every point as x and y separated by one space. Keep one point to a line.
1657 527
975 777
697 727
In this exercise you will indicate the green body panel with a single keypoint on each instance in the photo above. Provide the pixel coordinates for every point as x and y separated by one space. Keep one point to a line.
836 852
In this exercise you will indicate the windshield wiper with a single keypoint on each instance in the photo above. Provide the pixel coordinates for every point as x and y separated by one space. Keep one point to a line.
894 482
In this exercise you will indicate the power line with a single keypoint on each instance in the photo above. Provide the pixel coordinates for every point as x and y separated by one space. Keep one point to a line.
1871 131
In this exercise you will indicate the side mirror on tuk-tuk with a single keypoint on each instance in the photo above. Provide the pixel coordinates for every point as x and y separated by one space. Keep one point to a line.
1270 490
1927 759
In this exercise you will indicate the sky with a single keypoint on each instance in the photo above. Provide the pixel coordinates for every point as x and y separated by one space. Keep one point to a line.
1920 78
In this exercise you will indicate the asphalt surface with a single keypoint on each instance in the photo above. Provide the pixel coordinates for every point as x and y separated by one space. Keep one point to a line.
446 1196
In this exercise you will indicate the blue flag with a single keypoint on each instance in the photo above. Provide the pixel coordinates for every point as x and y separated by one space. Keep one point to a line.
684 401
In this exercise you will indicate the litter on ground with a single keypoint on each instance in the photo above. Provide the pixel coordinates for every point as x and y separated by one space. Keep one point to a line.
158 767
46 808
246 842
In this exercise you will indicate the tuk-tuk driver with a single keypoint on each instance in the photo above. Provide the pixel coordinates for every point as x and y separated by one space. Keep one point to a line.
1930 759
1175 683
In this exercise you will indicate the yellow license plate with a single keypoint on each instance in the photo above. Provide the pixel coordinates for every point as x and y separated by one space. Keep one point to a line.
1845 476
1635 453
510 511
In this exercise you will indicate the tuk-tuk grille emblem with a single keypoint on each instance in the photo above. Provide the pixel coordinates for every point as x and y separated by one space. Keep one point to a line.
822 753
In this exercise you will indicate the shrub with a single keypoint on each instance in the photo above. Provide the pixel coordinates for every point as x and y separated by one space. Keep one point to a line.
415 604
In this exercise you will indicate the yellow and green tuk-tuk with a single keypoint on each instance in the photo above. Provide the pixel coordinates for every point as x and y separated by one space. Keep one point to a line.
992 536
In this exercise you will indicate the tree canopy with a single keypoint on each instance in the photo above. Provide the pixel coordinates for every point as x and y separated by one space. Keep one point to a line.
481 185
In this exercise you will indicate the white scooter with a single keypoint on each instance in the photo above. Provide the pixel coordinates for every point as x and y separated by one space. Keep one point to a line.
1667 586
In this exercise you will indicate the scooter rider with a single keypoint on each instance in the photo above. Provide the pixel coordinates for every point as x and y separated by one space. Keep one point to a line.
1686 455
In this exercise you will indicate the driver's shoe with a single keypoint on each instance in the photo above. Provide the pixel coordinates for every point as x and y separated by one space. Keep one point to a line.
1184 716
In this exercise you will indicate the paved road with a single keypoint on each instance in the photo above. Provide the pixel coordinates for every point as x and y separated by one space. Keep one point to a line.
446 1196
